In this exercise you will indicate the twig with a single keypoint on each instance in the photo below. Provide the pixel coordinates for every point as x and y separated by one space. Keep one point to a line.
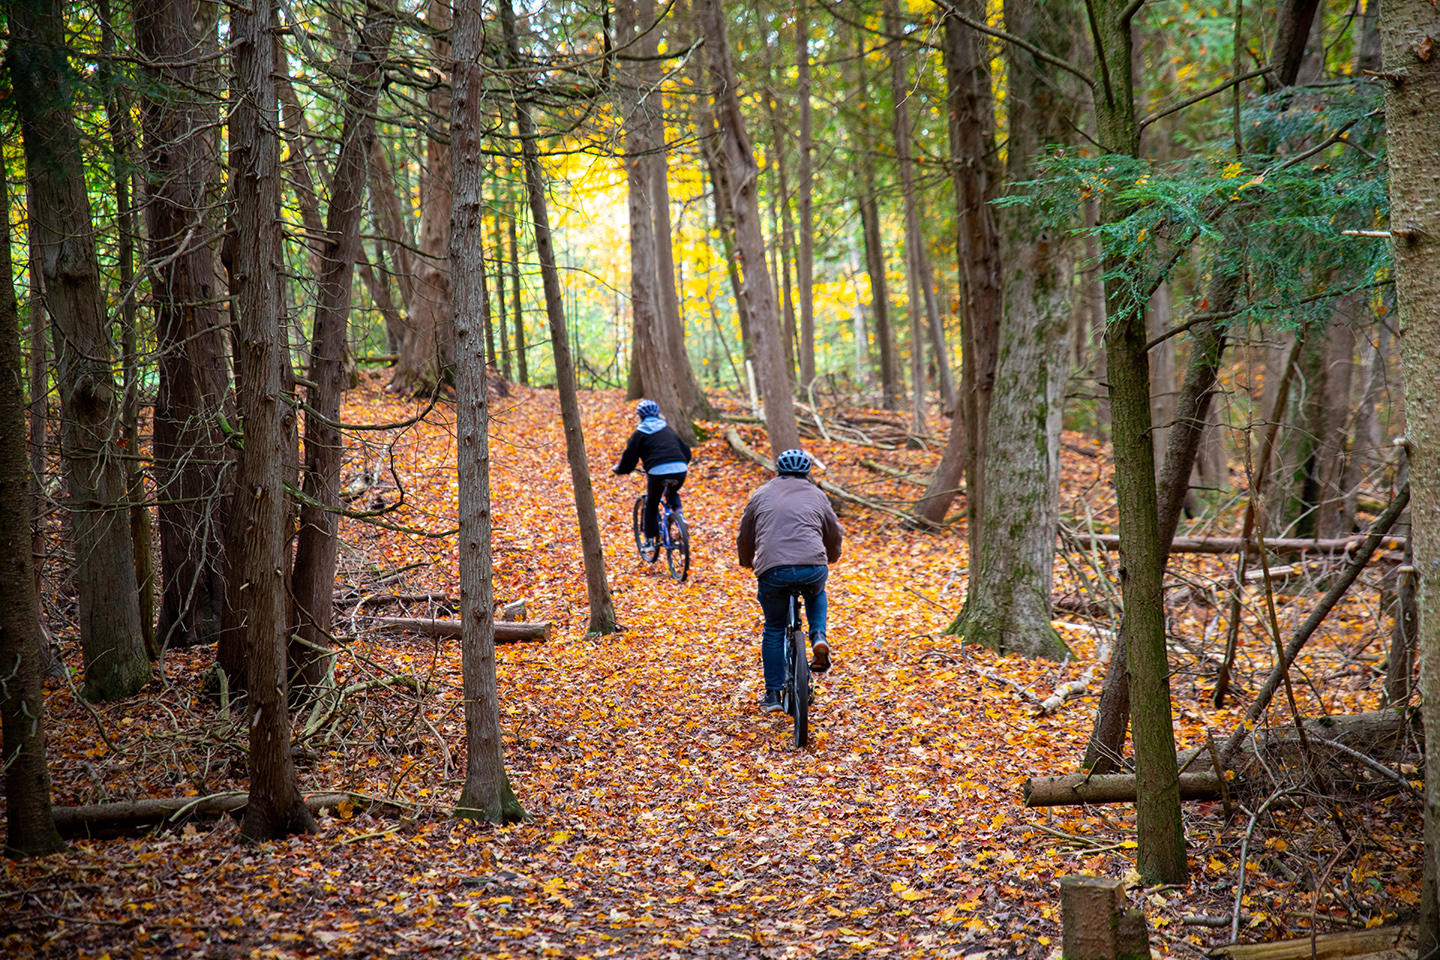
1244 853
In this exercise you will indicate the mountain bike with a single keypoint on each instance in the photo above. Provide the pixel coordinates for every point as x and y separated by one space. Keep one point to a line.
674 535
796 695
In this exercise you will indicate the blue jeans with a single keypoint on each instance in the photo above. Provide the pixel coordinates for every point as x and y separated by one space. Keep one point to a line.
773 591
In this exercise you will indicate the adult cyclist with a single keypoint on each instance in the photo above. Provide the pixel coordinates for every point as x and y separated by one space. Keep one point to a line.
789 534
664 457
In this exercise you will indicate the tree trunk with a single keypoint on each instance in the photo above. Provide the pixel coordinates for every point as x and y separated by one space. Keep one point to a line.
191 458
758 292
116 664
498 259
972 125
29 821
891 392
312 584
517 305
805 261
651 350
1112 717
913 241
1161 852
1007 607
385 209
259 518
487 794
1412 100
425 356
602 607
122 135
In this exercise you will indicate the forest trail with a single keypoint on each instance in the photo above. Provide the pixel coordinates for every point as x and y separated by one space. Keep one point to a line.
669 816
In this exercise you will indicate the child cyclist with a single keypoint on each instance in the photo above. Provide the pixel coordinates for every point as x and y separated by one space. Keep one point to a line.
664 457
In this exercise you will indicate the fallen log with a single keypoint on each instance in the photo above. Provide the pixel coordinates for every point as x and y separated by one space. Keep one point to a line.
1078 788
1287 547
745 450
130 814
506 631
1334 742
1326 945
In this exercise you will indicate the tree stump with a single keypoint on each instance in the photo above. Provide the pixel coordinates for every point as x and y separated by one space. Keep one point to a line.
1096 924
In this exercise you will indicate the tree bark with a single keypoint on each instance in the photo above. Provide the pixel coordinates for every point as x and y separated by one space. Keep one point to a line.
260 515
1007 606
425 355
972 124
312 584
805 261
900 99
758 297
891 392
651 350
487 794
602 607
1412 98
29 821
116 663
1161 852
122 135
191 459
517 304
1112 716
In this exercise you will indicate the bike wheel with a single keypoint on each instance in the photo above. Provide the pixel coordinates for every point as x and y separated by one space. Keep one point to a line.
677 547
639 523
800 687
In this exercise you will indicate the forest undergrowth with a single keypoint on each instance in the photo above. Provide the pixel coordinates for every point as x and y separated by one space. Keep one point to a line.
669 816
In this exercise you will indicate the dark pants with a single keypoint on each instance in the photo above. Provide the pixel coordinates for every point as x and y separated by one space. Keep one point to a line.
773 591
654 487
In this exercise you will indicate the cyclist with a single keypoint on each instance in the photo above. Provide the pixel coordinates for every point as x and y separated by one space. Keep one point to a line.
663 456
789 534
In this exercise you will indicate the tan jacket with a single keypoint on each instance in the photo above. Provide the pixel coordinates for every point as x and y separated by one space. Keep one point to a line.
788 521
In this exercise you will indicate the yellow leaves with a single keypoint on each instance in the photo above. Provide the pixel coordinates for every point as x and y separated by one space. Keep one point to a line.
905 891
1232 170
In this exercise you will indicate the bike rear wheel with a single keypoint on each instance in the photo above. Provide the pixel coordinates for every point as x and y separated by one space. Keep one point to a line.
799 677
677 546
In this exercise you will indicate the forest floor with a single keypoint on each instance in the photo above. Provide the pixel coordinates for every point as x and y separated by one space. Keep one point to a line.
669 816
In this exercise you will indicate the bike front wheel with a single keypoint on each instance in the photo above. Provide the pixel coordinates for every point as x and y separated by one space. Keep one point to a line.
677 546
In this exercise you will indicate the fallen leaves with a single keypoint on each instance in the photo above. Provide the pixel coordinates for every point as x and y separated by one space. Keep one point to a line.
669 814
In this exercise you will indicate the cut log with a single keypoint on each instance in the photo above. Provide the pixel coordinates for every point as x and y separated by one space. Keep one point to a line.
505 631
130 814
1095 923
1287 547
1109 788
1327 945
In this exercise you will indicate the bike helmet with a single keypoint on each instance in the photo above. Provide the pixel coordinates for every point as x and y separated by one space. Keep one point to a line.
647 408
793 461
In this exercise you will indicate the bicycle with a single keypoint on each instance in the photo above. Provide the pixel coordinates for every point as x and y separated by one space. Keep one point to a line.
796 695
674 536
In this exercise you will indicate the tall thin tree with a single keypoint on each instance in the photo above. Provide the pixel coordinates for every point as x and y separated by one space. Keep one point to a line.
487 794
259 519
116 663
602 607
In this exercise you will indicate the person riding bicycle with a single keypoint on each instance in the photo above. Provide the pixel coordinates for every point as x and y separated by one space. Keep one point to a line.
789 534
664 457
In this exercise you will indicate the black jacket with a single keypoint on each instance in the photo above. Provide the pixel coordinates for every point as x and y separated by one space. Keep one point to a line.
653 444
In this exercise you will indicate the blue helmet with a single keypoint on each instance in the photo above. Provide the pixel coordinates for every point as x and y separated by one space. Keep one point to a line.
647 408
793 461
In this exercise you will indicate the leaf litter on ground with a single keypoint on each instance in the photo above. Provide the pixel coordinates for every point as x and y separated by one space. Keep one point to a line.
669 817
